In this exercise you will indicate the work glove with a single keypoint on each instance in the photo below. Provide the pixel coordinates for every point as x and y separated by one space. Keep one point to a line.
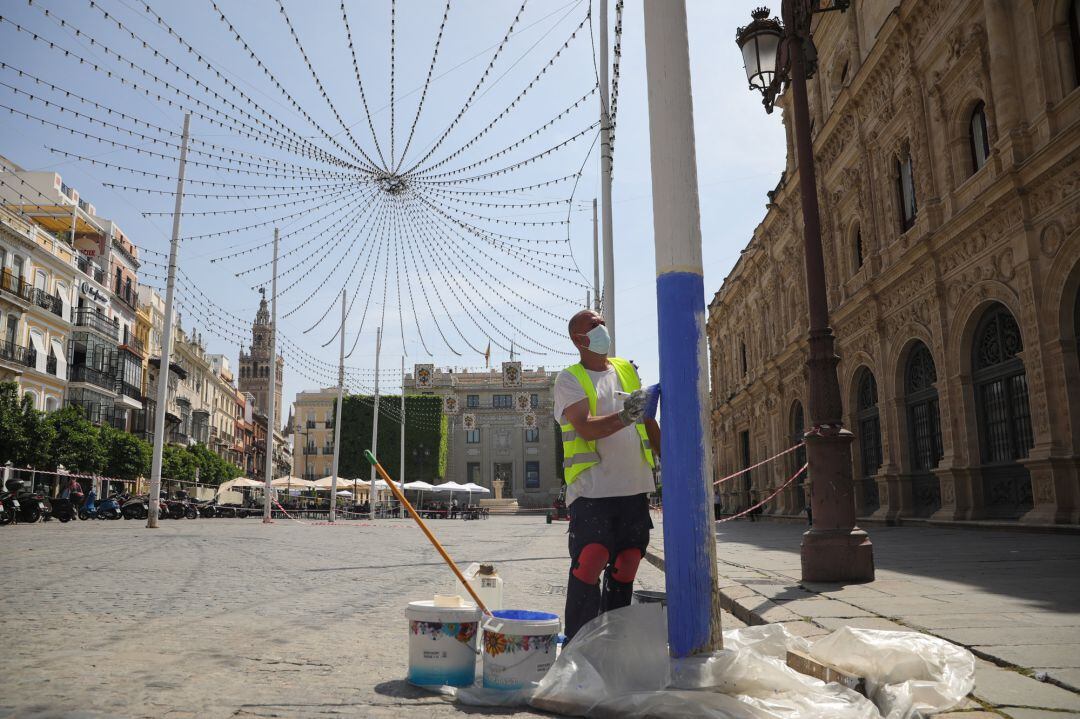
634 407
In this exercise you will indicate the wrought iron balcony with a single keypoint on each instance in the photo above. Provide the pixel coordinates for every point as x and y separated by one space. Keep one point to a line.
17 354
16 287
82 373
52 303
88 317
132 342
90 269
129 390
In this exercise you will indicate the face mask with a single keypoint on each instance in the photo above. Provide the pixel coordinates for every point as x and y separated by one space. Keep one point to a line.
599 340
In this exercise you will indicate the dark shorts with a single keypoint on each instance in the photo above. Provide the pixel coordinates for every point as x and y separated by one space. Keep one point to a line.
617 523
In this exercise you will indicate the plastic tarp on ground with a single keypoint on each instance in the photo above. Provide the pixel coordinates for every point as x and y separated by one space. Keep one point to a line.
618 666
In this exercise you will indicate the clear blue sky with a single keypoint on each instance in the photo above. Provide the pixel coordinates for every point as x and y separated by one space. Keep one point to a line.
740 153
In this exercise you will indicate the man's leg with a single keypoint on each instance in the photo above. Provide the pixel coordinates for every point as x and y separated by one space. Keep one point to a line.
590 530
631 539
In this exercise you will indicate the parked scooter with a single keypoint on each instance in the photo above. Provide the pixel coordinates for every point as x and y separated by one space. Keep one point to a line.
107 508
10 504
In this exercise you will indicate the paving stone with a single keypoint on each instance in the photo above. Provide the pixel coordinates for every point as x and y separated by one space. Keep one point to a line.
805 629
834 623
1002 687
959 621
1023 635
967 715
1071 677
823 608
1042 655
1027 713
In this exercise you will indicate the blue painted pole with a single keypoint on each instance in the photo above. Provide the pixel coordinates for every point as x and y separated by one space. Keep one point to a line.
689 543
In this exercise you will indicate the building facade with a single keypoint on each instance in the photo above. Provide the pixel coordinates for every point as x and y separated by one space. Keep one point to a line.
499 446
313 433
254 376
947 145
37 280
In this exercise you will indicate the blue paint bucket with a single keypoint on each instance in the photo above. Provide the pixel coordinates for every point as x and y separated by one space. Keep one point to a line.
518 647
442 644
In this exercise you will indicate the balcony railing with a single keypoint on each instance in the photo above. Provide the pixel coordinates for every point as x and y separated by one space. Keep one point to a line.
132 342
11 352
311 424
88 317
97 412
50 365
16 286
90 269
129 390
82 373
52 303
327 450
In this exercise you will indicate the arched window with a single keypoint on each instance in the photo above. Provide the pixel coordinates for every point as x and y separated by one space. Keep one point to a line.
857 248
905 192
924 428
1001 388
798 429
868 422
978 140
1001 400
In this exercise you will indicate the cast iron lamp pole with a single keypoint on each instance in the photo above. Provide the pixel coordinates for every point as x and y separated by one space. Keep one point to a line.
778 54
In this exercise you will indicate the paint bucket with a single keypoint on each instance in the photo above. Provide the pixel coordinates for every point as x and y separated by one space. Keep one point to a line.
648 596
442 644
519 647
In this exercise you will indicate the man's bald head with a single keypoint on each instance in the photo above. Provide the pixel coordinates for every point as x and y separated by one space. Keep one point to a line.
577 322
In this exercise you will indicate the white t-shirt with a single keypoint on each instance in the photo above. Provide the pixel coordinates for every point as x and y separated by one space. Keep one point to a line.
622 470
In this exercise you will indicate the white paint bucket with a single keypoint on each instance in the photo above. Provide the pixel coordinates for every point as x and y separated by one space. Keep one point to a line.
442 644
519 647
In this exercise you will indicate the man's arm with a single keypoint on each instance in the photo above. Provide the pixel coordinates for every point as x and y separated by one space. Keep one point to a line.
652 428
592 428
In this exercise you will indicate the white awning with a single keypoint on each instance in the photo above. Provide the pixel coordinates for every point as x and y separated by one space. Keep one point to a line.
61 360
38 340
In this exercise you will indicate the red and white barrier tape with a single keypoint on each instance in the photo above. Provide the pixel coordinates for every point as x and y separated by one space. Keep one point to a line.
761 463
767 499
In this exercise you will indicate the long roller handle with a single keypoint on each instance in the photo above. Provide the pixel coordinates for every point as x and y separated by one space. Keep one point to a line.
423 527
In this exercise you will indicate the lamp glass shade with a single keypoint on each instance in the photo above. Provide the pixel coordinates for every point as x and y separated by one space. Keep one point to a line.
759 58
759 42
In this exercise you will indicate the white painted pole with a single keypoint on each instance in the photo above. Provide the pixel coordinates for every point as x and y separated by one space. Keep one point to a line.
166 338
693 598
271 400
605 181
375 424
595 260
401 467
337 415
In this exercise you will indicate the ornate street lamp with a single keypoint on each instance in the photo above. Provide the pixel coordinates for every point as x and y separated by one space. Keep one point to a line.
777 55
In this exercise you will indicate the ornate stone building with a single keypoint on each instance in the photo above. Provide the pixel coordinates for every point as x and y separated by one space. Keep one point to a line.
947 139
255 366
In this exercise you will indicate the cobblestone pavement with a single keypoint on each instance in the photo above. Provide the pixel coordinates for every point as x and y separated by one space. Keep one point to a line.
1013 598
224 618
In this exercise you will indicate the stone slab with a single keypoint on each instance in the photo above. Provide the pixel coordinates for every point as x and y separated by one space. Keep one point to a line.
1022 635
959 621
1027 713
834 623
1003 687
1044 655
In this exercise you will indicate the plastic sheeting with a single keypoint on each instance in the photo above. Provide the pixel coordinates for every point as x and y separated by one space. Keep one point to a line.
618 666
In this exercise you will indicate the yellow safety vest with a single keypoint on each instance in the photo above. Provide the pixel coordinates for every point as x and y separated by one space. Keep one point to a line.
579 454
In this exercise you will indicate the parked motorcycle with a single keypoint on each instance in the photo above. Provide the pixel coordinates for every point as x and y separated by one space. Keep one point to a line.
10 503
31 506
66 508
134 508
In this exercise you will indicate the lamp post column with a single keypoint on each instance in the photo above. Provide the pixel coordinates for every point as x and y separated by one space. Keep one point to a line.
834 549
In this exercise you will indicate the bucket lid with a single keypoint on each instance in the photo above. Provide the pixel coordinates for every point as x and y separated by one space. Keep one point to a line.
426 611
522 622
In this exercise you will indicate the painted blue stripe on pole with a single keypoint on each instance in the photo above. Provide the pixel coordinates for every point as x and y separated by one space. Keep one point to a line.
688 535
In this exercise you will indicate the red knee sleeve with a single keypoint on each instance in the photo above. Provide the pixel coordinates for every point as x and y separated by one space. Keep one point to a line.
626 564
590 563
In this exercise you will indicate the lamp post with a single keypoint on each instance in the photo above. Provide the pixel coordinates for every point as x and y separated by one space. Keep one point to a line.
777 54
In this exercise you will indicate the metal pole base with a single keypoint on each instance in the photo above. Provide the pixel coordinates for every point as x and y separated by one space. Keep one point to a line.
267 521
837 555
834 549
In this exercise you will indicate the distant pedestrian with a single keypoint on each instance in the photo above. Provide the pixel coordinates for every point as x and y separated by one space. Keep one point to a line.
753 509
718 504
